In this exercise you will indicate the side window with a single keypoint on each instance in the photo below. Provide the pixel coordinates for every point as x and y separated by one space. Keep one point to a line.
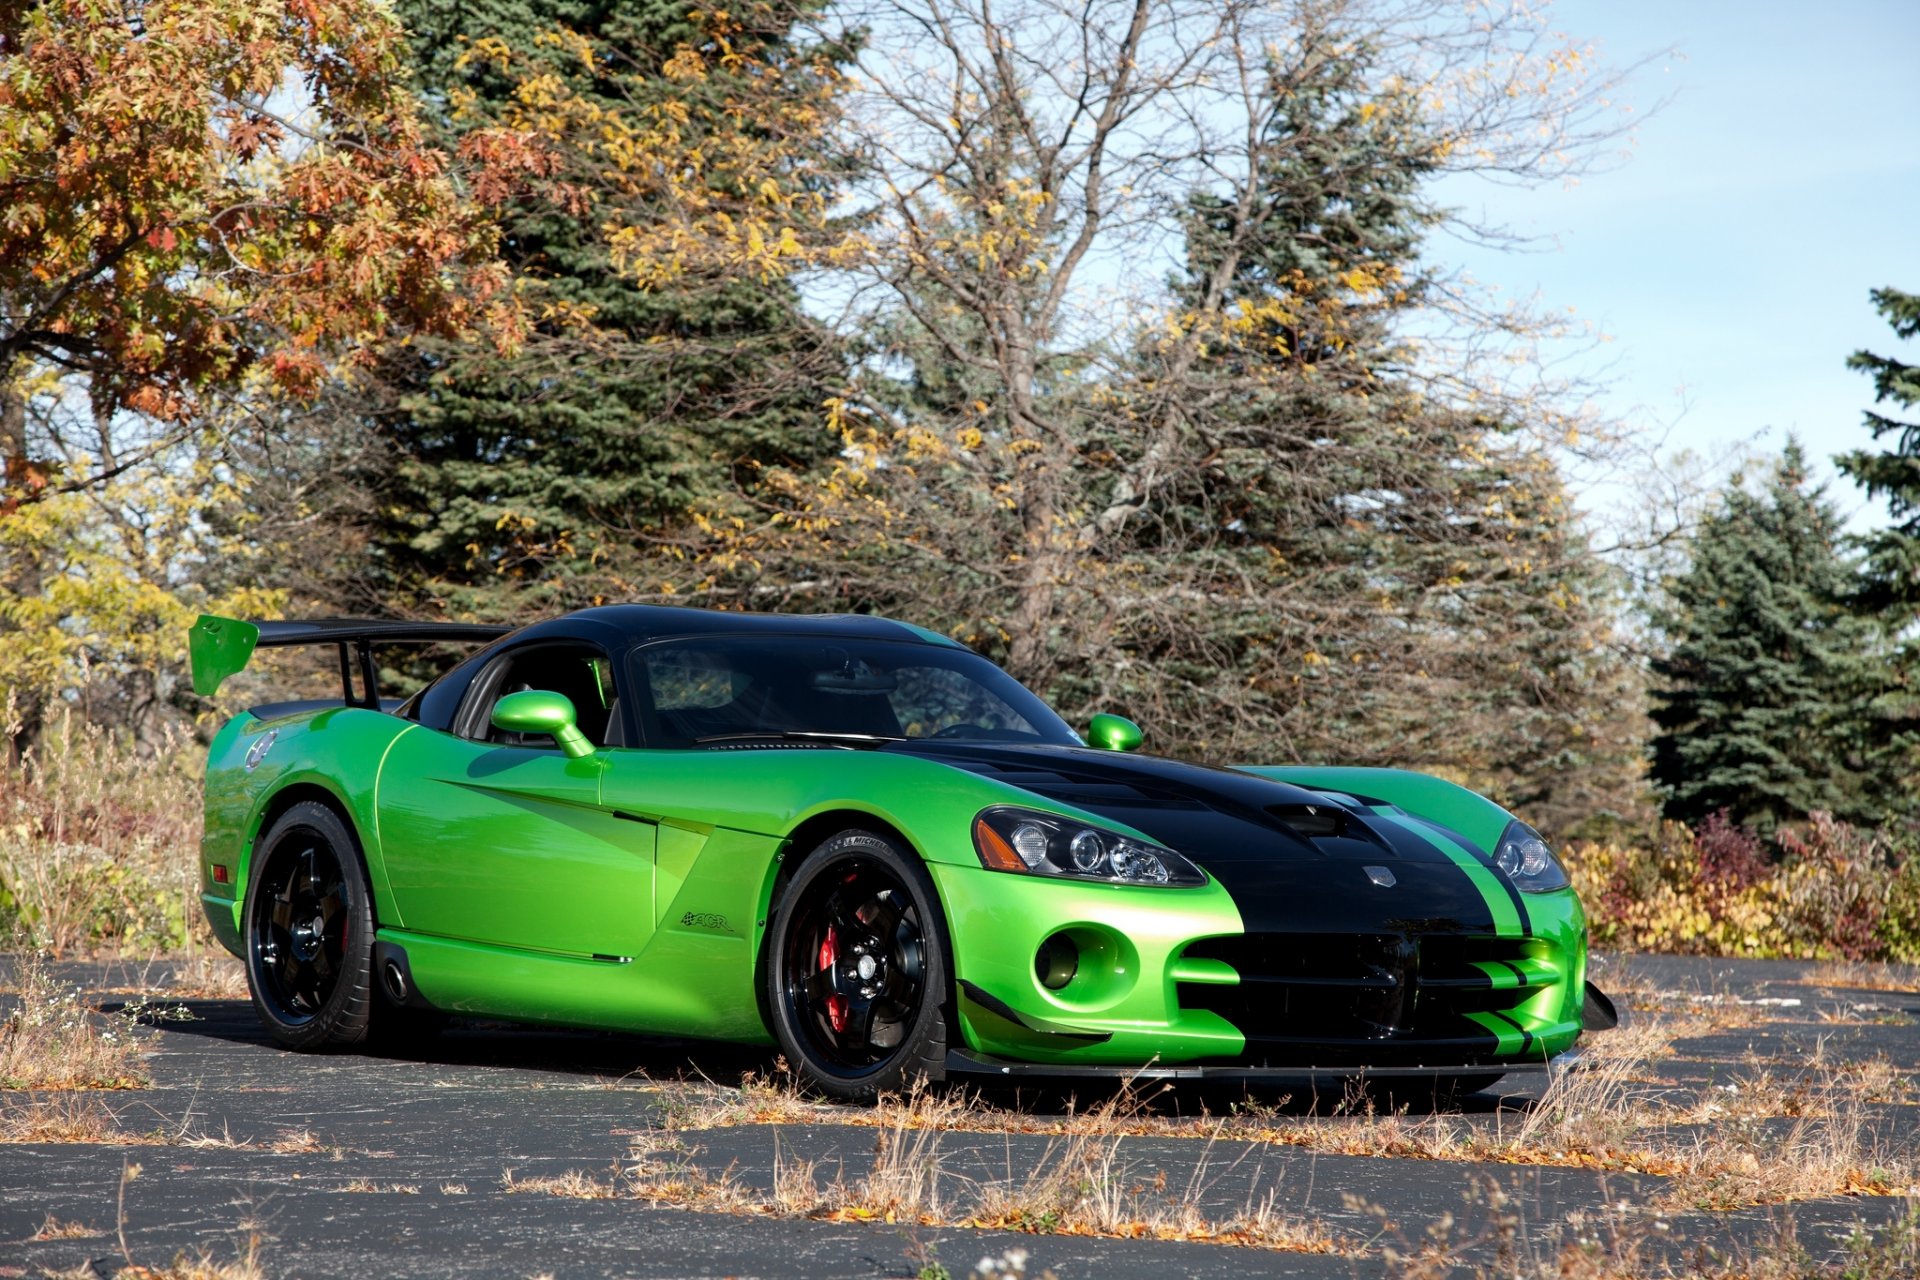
580 672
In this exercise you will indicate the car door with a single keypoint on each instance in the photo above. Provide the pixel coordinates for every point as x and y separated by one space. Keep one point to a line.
495 838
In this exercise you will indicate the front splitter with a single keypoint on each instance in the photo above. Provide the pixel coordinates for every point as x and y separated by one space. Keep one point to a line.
962 1062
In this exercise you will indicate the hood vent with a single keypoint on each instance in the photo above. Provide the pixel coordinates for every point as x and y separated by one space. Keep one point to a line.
1314 820
1333 829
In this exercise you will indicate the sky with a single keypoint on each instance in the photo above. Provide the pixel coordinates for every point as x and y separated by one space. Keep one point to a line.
1773 182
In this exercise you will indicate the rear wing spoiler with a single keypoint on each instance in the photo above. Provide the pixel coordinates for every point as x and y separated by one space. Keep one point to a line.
221 647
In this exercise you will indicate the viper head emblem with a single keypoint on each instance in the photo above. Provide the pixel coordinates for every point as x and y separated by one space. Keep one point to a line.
1381 876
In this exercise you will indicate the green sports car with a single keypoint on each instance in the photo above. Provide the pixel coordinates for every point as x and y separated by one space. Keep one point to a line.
861 841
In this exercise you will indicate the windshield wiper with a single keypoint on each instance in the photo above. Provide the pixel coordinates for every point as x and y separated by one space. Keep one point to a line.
799 735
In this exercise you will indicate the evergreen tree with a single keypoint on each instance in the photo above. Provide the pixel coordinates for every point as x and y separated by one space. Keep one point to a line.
635 400
1771 689
1893 553
1414 587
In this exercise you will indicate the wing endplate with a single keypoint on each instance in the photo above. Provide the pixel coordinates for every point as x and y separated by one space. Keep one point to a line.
217 648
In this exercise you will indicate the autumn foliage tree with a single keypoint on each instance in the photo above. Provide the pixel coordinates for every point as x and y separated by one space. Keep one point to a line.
196 196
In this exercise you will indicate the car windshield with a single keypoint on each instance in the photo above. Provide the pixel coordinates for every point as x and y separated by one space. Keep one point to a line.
727 688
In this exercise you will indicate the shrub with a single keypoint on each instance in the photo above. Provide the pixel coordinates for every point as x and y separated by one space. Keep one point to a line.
1825 890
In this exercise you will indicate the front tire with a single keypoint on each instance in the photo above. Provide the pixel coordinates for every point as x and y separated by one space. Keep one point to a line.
309 931
858 970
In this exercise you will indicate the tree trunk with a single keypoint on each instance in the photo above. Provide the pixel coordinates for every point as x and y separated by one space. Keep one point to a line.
21 573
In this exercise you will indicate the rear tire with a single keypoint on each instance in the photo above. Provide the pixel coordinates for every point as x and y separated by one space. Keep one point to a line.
857 972
308 931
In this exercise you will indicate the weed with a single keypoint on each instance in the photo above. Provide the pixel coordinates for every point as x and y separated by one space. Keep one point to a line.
53 1040
209 975
54 1229
1857 975
61 1117
1081 1185
100 841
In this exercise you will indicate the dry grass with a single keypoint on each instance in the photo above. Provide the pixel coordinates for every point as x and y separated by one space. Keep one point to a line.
1082 1184
571 1185
60 1118
54 1229
100 840
200 1265
1860 975
295 1142
1491 1238
1761 1137
209 975
53 1040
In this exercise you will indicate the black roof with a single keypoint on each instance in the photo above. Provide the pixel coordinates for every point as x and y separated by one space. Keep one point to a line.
638 623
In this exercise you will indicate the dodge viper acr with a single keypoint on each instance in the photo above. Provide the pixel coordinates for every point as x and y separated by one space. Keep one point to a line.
865 843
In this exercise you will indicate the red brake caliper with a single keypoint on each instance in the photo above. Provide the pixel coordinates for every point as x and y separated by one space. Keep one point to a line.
836 1003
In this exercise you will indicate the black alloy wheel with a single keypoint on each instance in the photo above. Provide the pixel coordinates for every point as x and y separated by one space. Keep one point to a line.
858 971
309 931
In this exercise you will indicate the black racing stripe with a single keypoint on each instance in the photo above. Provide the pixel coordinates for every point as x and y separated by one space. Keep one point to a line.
1334 897
1519 904
1526 1036
1518 973
1513 894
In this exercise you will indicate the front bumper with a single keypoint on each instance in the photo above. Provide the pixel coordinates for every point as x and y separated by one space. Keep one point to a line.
1170 978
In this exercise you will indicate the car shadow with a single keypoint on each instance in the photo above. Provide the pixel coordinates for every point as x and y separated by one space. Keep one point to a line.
563 1051
639 1059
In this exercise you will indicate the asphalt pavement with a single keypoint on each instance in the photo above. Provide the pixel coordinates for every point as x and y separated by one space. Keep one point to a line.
354 1165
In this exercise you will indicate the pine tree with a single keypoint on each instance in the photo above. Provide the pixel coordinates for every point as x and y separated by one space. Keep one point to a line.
1414 587
1771 688
1893 575
637 399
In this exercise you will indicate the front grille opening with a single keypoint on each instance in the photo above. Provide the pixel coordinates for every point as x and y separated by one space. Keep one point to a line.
1366 998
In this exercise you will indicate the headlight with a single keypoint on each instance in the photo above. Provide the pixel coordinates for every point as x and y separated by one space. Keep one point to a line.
1524 856
1044 844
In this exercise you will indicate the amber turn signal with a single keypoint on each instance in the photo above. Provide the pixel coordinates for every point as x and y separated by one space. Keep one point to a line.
994 849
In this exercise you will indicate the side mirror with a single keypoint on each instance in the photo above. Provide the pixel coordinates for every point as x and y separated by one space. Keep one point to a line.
542 711
1115 733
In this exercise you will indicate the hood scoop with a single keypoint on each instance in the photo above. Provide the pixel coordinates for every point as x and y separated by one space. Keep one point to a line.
1332 829
1312 820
